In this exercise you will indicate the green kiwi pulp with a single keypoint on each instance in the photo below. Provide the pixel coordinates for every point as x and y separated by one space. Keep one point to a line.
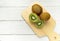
33 17
39 24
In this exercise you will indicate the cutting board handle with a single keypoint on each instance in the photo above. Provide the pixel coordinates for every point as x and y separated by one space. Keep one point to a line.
54 37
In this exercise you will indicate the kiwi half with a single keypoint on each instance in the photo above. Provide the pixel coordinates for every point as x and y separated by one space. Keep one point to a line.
39 24
33 17
37 9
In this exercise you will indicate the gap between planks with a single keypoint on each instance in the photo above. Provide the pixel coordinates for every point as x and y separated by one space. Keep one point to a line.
25 6
11 20
17 34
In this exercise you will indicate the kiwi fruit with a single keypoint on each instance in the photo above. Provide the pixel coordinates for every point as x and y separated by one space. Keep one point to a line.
39 24
45 16
33 17
37 9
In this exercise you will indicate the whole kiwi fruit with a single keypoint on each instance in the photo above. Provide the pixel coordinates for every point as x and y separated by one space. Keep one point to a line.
45 16
37 9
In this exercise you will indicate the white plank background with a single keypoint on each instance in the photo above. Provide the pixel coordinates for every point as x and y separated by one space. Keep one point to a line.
13 26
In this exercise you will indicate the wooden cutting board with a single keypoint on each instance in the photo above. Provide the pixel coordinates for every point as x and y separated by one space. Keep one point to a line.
47 29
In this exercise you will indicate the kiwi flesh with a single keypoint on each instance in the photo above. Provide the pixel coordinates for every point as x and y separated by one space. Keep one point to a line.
39 24
33 17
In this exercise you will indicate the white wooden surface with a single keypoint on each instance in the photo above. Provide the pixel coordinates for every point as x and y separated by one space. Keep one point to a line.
13 26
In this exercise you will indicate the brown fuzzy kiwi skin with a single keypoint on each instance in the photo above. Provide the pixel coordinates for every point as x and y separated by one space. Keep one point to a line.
37 9
45 16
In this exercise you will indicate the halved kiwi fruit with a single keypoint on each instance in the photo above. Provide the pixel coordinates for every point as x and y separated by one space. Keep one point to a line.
39 24
33 17
37 9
